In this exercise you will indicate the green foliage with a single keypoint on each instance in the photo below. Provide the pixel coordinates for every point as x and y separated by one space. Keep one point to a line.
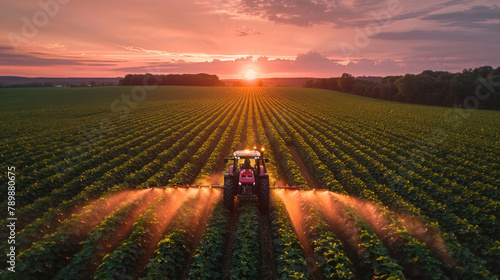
89 255
171 79
170 256
123 261
376 256
245 262
120 263
290 261
429 87
332 260
208 257
437 164
278 140
411 88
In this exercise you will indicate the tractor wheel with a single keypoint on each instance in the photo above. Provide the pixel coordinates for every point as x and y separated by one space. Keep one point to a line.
228 195
263 194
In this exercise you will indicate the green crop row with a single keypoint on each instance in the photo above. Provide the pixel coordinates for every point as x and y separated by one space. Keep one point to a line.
290 261
341 143
245 260
123 261
333 262
170 256
208 257
278 144
101 239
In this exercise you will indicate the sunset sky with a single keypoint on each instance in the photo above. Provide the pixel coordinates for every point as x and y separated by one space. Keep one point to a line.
278 38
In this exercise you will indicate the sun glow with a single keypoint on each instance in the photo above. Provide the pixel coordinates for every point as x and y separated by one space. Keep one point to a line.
250 74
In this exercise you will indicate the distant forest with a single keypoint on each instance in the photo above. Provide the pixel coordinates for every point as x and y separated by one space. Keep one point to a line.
24 82
471 88
478 88
171 80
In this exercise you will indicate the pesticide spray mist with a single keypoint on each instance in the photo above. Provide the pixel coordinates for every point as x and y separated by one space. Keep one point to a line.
335 210
163 203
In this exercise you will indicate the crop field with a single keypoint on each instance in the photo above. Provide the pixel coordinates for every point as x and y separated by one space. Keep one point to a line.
387 190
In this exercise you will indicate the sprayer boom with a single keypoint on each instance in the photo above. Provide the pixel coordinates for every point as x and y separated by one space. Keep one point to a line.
222 186
245 179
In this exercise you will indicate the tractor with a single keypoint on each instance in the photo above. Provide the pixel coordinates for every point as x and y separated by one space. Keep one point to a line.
247 179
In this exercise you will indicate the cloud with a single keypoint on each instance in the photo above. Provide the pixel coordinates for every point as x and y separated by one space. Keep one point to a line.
176 56
311 57
474 14
295 12
428 9
55 46
243 31
340 13
477 17
40 59
303 12
432 35
149 51
31 60
101 64
312 64
3 48
347 13
186 36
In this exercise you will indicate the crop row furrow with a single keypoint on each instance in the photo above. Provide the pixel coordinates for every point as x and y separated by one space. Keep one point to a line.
91 176
116 177
413 198
279 147
192 153
323 132
70 168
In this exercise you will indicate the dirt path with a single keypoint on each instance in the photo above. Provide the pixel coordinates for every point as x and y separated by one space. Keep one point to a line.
304 169
267 250
254 125
244 134
281 180
230 241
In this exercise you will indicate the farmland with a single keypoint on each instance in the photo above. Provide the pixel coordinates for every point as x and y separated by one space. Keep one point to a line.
387 189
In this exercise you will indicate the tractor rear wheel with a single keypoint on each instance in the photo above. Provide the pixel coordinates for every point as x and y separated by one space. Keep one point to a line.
228 195
263 194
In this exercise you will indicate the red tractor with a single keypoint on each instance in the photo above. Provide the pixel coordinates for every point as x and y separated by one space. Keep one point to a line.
247 179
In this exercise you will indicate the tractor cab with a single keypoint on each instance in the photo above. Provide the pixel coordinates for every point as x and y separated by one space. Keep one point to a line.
247 178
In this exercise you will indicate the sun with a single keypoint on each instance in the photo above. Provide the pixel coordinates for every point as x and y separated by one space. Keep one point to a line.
250 74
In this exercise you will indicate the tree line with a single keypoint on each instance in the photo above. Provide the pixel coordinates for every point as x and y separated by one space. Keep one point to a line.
52 84
171 80
439 88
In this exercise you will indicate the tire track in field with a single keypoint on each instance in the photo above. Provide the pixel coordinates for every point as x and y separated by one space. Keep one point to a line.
52 215
254 123
444 223
259 119
303 168
382 197
267 249
225 142
244 131
230 241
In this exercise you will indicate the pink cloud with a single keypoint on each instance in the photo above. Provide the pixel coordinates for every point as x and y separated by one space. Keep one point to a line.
301 38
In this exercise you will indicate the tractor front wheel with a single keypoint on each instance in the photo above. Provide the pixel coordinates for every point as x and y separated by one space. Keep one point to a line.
228 194
263 194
